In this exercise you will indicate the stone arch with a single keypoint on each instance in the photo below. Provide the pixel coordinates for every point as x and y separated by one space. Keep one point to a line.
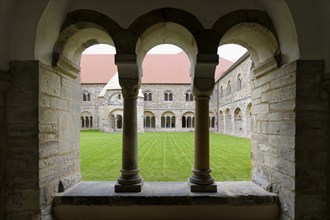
253 30
86 96
86 120
168 95
248 119
238 124
80 30
166 33
168 120
188 95
149 120
116 119
188 120
239 82
221 122
211 120
228 122
116 99
147 95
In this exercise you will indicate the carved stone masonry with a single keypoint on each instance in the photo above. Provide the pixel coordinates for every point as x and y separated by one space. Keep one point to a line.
130 87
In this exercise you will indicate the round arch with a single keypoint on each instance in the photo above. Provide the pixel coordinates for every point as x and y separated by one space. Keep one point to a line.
166 33
80 30
253 30
238 124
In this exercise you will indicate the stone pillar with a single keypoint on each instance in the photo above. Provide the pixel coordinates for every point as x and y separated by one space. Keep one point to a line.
203 84
130 180
326 85
5 79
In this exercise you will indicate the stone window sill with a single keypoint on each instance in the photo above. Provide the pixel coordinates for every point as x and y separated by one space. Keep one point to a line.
236 198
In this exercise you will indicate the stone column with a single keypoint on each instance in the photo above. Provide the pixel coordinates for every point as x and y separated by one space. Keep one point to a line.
130 180
5 79
326 86
203 85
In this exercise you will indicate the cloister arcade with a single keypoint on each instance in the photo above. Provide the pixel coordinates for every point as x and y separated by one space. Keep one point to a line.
289 113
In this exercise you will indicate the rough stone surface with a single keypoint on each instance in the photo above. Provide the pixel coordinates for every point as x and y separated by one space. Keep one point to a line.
234 108
100 193
59 164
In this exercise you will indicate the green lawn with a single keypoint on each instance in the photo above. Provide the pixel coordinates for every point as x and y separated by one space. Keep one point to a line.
163 156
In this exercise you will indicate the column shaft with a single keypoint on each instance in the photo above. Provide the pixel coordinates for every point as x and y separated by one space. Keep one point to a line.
130 180
201 180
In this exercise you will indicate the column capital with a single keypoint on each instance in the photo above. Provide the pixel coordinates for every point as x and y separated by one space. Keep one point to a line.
130 87
203 87
5 79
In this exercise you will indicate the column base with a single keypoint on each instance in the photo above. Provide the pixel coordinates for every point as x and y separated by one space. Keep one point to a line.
128 188
202 188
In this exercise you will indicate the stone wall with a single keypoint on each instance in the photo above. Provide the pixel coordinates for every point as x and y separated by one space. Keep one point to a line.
92 105
273 134
4 84
101 107
59 143
238 99
312 141
21 153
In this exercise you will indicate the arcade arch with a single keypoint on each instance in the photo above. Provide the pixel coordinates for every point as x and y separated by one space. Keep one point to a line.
116 119
238 125
259 39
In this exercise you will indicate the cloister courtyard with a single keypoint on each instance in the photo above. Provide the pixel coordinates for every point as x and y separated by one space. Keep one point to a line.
164 156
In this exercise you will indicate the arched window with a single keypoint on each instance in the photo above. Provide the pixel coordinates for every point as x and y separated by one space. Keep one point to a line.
86 120
173 122
188 118
221 92
148 122
183 121
168 96
119 121
238 121
189 122
86 96
147 96
91 122
168 120
82 122
153 122
189 96
163 122
213 122
228 88
239 82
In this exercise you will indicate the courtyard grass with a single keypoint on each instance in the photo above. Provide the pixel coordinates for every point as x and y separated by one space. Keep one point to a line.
163 156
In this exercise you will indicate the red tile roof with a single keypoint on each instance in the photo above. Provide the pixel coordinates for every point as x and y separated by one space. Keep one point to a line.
157 68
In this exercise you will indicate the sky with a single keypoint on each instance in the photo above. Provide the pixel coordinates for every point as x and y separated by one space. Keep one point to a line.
230 52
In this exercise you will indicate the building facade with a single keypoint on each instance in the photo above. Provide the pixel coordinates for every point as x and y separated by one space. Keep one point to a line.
170 106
